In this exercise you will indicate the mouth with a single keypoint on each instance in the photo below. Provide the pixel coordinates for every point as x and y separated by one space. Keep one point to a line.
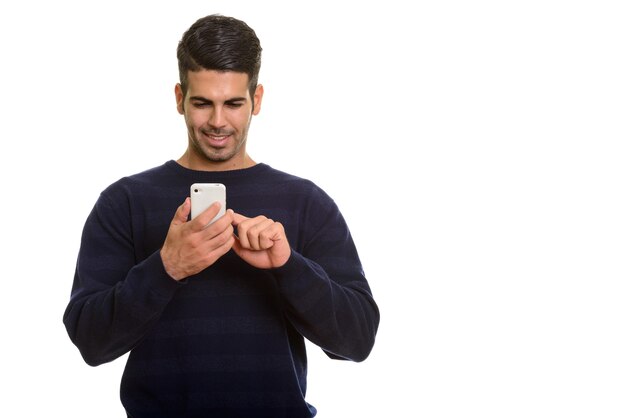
217 140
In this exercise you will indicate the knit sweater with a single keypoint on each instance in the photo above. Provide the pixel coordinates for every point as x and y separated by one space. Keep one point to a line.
228 341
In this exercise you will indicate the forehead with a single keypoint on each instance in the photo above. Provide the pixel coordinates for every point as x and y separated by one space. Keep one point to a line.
215 85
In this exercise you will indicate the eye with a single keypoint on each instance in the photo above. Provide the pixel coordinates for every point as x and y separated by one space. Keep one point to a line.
236 105
200 105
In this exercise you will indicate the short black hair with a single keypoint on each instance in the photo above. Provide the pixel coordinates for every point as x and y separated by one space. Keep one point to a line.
221 43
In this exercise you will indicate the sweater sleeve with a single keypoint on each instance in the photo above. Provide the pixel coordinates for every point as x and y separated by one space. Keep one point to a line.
325 292
115 300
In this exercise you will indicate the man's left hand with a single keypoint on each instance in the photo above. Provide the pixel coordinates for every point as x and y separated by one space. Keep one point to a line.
261 242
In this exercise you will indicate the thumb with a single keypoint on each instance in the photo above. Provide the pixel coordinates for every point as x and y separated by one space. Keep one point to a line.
237 218
182 213
238 249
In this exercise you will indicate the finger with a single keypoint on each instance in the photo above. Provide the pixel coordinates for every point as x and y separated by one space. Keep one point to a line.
225 247
237 248
219 226
204 219
237 218
208 255
182 213
269 235
242 234
247 232
258 234
222 241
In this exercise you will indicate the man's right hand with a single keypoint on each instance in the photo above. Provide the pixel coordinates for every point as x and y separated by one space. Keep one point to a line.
192 246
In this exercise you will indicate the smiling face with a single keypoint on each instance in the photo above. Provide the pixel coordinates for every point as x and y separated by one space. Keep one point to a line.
218 110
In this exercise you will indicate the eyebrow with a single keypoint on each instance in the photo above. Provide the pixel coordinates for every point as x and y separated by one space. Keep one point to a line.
205 100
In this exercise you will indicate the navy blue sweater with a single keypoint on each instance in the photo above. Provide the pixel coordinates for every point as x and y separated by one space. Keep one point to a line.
228 341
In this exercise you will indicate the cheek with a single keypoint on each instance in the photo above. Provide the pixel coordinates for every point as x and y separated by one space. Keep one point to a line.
241 120
194 119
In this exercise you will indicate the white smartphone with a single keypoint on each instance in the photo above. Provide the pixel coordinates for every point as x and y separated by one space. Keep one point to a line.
203 195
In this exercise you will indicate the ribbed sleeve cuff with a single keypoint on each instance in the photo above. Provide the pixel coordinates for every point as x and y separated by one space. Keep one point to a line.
299 277
294 267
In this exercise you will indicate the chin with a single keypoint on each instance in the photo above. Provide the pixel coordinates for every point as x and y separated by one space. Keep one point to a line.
219 157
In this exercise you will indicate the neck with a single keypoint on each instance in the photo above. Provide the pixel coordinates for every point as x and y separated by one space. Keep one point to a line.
188 160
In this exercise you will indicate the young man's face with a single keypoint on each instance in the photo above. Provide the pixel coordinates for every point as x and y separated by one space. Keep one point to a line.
218 110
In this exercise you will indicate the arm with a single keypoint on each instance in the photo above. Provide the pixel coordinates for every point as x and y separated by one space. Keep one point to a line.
336 312
115 301
326 296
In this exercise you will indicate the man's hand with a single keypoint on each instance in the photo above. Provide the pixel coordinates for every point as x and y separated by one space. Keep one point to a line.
192 246
261 242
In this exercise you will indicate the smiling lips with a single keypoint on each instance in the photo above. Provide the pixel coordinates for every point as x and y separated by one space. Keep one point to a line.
217 139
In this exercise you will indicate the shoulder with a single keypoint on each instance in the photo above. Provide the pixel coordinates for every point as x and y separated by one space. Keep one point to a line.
296 186
288 180
302 195
138 184
155 175
159 174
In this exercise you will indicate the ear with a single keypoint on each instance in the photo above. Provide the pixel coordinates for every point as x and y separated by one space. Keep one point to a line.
258 97
180 98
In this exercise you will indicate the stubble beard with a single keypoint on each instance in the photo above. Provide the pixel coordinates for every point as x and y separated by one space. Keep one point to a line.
218 155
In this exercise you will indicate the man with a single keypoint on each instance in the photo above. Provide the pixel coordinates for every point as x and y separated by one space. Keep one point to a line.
215 314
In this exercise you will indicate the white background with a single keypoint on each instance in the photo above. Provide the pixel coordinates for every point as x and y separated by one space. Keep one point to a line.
476 149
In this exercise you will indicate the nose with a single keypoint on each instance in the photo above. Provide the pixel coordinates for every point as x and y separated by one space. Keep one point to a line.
216 119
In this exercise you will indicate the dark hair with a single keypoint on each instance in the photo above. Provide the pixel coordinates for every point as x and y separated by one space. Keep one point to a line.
221 43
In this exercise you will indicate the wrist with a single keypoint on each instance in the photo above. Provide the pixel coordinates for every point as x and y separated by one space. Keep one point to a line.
171 271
